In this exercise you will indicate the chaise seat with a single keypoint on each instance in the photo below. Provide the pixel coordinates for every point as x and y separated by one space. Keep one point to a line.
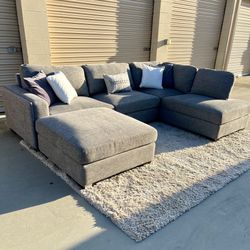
80 102
204 115
129 102
208 109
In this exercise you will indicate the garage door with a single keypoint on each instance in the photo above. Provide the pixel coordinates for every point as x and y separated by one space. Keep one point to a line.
94 31
239 61
10 47
195 31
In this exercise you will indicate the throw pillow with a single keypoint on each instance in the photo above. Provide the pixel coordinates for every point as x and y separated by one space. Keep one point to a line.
152 77
39 86
168 76
117 83
62 87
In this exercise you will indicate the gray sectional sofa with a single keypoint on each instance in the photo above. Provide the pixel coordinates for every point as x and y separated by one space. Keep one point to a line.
193 99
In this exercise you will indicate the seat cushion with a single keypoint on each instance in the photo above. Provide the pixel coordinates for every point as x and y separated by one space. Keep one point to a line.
129 102
162 92
94 75
74 74
213 83
80 102
183 77
136 71
93 134
207 109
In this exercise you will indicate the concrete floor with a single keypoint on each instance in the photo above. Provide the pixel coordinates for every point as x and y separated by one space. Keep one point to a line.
39 211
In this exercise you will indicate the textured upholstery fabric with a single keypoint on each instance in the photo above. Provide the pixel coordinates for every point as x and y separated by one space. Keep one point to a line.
117 83
94 75
18 80
162 92
205 108
99 170
213 83
22 110
183 77
168 75
147 116
38 85
129 102
202 127
80 102
136 71
74 74
94 134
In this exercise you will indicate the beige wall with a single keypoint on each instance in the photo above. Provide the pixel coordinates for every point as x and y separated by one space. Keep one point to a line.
94 31
10 46
35 36
187 32
33 26
239 56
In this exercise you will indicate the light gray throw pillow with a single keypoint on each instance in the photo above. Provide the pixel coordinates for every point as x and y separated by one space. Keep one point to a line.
152 77
117 83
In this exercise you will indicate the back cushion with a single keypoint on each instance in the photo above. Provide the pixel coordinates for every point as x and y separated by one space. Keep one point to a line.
94 75
136 71
213 83
74 74
183 77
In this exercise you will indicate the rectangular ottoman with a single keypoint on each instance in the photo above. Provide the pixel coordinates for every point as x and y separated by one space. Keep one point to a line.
93 144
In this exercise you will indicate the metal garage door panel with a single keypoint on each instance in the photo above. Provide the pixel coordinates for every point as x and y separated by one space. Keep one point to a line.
9 37
239 60
195 31
95 31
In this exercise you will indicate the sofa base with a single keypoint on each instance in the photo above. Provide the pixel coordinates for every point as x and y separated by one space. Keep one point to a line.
147 116
201 127
99 170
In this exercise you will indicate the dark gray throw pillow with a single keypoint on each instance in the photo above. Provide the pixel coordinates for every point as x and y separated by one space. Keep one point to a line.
168 75
213 83
19 80
39 86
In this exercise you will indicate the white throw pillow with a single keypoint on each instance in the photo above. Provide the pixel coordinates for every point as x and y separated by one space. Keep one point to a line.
152 77
62 87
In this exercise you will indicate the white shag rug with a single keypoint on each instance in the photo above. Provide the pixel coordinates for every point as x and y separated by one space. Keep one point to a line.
186 170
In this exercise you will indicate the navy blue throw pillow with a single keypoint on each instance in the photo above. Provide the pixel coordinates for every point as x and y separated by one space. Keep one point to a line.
168 76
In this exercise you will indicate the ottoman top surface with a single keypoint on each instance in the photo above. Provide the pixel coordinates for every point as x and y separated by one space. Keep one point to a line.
93 134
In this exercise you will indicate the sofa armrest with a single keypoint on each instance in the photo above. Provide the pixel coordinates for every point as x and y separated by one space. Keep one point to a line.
22 110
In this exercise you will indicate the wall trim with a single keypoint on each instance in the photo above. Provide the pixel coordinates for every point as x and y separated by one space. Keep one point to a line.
160 29
227 33
34 33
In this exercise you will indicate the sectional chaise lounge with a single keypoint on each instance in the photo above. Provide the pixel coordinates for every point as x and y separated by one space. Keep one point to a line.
95 136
